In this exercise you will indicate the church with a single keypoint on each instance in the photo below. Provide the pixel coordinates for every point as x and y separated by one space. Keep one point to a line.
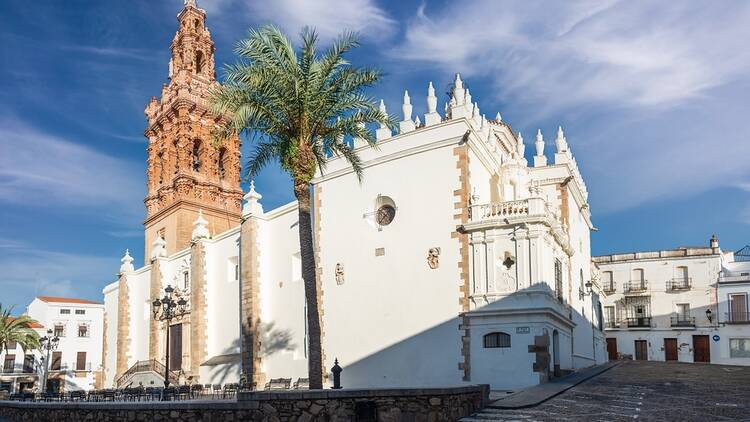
455 261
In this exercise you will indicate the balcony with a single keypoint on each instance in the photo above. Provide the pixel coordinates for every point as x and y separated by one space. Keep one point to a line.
679 285
609 289
682 321
635 287
608 325
737 317
639 322
733 277
9 369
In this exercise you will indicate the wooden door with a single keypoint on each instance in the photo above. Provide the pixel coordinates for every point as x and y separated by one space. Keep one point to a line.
670 349
701 349
175 347
641 350
612 348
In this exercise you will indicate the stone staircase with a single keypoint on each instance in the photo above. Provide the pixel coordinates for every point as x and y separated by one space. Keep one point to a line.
145 371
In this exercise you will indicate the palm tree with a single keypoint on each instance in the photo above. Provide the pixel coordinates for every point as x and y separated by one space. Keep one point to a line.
298 107
18 329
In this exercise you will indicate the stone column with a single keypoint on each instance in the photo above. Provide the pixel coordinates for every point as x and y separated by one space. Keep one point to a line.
154 326
198 332
123 326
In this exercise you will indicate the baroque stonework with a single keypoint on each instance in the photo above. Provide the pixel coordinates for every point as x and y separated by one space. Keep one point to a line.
188 169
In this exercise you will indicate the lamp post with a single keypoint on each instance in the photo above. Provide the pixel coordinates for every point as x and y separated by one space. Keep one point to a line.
48 343
709 315
167 309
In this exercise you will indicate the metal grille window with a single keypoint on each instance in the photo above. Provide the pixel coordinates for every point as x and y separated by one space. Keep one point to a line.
9 364
80 312
59 330
495 340
64 311
83 330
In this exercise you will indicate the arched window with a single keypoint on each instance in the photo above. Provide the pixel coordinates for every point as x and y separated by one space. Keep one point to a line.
196 155
494 340
222 157
197 24
199 62
160 166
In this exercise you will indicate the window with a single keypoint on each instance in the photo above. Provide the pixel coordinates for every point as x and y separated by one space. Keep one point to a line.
199 62
83 330
681 274
12 345
81 361
609 283
64 311
581 288
56 361
80 312
739 347
59 330
738 307
385 211
495 340
196 155
236 272
637 276
185 280
558 280
683 311
28 364
9 364
609 316
222 156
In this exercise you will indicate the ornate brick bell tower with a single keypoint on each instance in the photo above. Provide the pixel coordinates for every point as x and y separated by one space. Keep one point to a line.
187 170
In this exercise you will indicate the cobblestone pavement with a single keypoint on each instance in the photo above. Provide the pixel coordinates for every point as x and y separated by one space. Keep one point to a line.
649 391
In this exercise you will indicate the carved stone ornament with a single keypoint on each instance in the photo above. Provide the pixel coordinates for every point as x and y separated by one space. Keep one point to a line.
433 258
339 273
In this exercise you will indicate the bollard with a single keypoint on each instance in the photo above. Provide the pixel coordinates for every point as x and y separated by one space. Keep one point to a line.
336 370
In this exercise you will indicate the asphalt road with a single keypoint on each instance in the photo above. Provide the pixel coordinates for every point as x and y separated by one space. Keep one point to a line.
649 391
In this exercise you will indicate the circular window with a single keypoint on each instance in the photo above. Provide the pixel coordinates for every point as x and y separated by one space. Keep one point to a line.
385 214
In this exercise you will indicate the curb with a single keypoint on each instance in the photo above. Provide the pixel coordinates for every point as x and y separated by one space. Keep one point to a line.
602 369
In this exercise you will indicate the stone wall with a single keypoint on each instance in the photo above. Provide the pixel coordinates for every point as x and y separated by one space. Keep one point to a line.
433 404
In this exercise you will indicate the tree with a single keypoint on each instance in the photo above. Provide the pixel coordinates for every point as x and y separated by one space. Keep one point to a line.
299 107
18 329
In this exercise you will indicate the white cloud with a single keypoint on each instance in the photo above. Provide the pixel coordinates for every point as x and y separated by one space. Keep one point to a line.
631 53
39 169
328 17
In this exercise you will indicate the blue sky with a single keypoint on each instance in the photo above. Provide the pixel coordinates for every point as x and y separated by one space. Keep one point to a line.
654 98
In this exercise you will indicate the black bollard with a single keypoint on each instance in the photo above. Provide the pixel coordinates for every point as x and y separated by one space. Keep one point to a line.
336 370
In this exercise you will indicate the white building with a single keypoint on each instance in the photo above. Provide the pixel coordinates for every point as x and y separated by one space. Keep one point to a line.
686 304
453 261
76 362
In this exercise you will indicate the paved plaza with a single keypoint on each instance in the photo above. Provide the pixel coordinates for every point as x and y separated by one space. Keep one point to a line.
651 391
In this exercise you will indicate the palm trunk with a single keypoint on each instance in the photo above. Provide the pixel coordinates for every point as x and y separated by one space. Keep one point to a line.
315 352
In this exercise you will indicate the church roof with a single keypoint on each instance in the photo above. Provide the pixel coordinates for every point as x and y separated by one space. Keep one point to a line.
53 299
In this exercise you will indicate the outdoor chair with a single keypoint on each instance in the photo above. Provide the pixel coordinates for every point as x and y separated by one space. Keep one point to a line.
169 393
109 395
152 393
278 384
77 395
216 391
301 384
183 392
230 390
196 391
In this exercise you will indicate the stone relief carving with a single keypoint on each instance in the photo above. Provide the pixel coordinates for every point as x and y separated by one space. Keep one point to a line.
339 272
433 258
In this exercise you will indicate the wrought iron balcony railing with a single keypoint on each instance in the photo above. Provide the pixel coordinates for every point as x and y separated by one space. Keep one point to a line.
611 324
682 321
638 322
609 288
679 284
737 317
635 286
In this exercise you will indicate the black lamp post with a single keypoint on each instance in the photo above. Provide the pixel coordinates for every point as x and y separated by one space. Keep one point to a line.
167 309
709 315
48 343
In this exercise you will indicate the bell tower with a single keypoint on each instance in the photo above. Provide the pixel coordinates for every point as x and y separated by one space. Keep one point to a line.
187 170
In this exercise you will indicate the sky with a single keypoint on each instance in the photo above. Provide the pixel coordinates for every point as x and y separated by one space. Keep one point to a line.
654 98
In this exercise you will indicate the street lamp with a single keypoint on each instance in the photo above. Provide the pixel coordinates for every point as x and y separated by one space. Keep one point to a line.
709 315
167 309
48 343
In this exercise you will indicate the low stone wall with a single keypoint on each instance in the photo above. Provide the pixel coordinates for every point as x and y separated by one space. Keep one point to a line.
391 405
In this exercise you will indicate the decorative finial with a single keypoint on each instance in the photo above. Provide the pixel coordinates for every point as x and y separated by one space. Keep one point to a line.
200 226
431 99
127 263
383 132
467 97
190 3
498 117
417 122
458 82
252 204
560 142
382 110
158 248
521 148
539 143
407 107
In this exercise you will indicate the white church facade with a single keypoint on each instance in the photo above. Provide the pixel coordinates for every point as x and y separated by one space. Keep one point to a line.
454 261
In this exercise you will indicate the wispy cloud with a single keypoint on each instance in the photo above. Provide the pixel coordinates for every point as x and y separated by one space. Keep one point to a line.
41 170
630 53
328 17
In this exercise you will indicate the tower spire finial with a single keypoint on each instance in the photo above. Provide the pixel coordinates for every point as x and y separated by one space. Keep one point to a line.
190 3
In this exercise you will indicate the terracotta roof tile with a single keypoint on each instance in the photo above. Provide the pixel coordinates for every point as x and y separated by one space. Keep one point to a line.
52 299
32 325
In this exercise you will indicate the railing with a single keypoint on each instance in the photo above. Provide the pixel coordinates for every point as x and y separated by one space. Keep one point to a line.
638 322
611 324
152 365
737 317
500 209
28 369
734 278
9 369
86 367
609 288
682 321
679 284
635 286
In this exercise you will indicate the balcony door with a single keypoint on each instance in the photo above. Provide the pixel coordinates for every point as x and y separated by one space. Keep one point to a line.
175 347
738 307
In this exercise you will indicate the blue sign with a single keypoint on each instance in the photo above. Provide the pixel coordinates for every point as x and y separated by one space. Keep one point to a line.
716 337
